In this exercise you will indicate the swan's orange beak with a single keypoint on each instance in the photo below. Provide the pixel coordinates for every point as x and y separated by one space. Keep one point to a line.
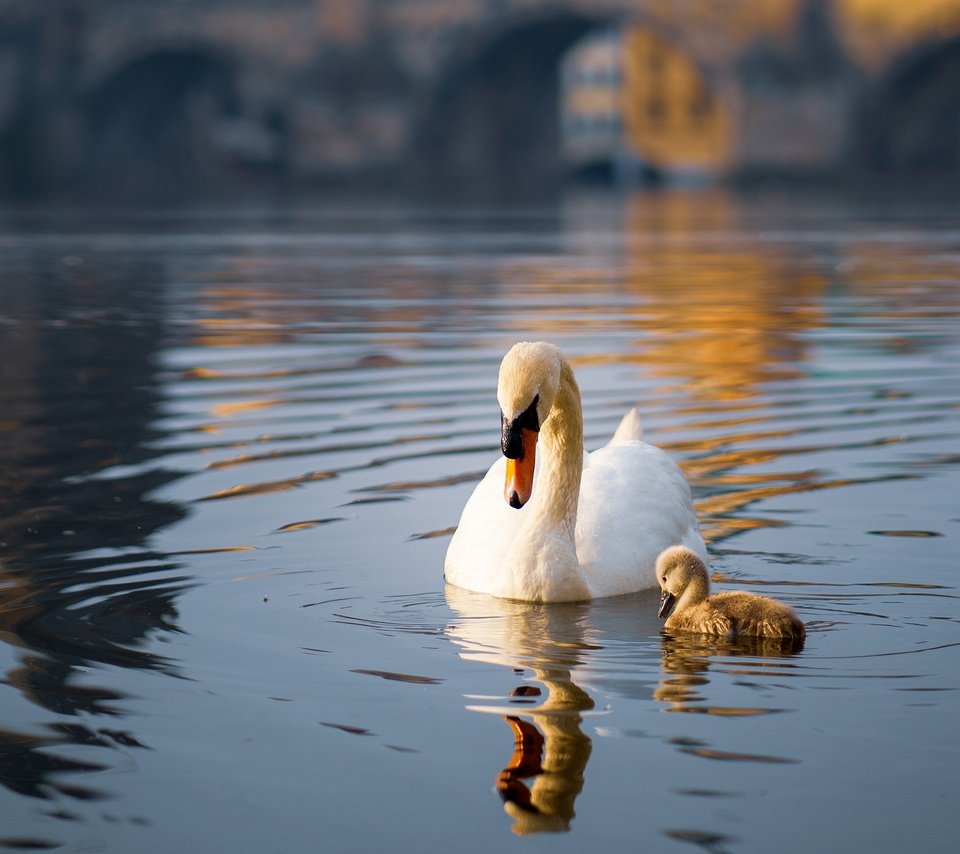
519 483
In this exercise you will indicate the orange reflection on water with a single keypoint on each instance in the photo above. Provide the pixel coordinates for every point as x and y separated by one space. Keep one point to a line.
724 314
715 310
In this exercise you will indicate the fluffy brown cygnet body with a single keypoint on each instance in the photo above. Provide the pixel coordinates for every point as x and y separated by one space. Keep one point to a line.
687 605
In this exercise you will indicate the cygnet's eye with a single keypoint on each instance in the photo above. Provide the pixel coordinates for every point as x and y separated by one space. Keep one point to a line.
664 579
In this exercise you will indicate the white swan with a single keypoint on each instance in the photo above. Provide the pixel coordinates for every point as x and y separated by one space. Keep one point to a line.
568 526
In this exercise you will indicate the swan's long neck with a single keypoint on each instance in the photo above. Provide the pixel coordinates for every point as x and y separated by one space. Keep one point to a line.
560 454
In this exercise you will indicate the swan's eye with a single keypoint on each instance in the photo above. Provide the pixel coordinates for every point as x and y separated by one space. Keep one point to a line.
664 579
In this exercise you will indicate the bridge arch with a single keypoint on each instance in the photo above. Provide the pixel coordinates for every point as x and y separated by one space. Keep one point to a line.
498 85
153 118
501 84
910 119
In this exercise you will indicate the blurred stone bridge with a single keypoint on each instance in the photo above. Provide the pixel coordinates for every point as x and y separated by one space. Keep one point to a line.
112 95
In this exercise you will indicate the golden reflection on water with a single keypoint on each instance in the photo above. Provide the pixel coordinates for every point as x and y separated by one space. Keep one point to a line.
545 773
727 318
242 314
717 314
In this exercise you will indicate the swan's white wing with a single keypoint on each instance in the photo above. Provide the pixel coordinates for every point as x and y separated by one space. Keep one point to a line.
634 502
630 429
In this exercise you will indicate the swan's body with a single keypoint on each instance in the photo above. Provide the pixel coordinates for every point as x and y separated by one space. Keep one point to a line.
594 523
689 607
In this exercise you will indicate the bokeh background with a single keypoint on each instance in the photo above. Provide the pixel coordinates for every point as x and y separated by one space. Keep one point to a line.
120 98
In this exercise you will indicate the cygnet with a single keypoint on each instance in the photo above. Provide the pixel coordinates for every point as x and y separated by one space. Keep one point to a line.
687 605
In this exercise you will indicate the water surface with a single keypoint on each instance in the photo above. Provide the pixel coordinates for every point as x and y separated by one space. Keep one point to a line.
235 444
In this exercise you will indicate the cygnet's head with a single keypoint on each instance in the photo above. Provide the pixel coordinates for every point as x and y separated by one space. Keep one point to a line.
680 570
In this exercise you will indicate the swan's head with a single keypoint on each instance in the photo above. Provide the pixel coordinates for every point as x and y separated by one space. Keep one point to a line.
528 385
680 571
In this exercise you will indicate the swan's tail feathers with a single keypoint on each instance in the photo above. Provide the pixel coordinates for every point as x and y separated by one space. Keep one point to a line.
630 429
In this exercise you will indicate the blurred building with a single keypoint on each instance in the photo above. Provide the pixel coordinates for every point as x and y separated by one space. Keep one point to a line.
635 108
592 138
115 96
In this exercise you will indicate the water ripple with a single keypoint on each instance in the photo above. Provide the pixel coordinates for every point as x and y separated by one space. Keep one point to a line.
177 402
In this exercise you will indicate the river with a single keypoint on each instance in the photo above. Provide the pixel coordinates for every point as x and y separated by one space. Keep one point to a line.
235 442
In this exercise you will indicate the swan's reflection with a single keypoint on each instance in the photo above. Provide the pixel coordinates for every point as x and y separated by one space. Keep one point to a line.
545 773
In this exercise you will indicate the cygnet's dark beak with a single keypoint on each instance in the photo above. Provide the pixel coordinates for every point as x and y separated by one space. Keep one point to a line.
667 601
